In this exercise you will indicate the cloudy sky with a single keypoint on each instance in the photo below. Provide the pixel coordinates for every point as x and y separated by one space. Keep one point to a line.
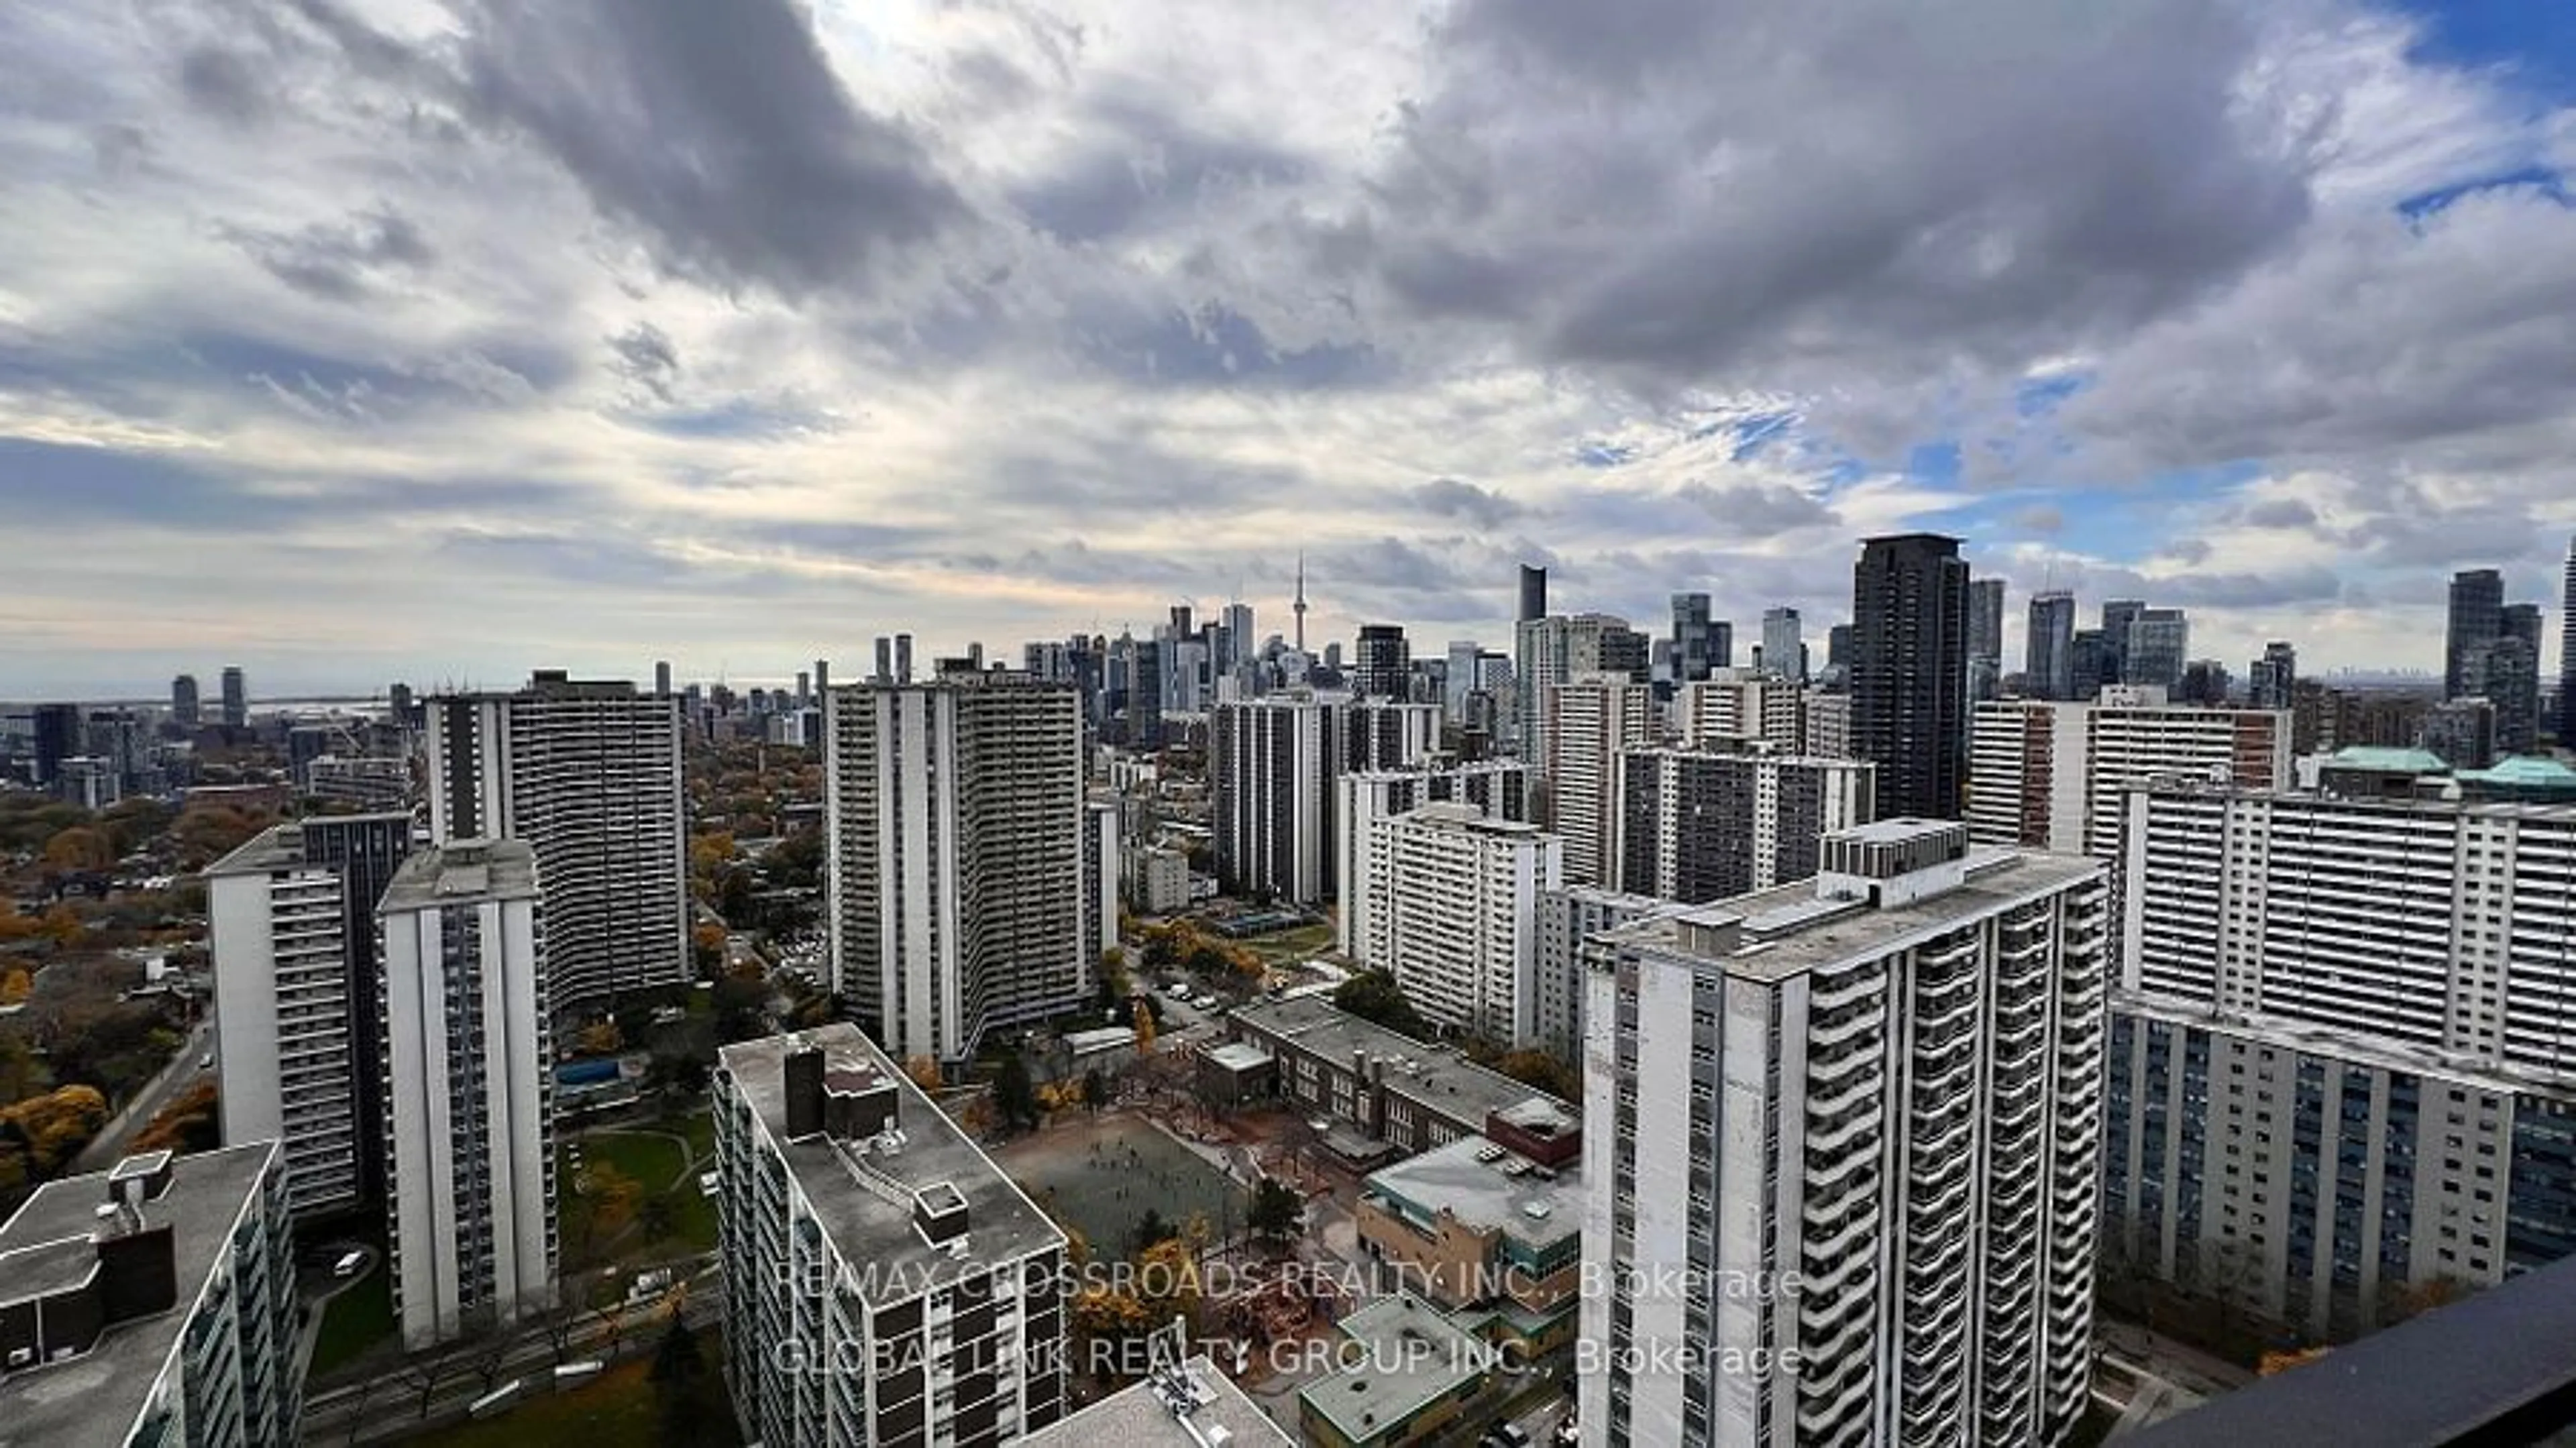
435 341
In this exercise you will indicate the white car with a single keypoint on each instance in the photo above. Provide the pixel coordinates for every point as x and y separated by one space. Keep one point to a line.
349 1264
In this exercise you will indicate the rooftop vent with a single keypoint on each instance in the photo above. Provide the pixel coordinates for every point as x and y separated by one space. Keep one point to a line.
939 1211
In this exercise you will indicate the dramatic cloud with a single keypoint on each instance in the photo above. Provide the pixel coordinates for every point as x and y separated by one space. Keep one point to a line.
722 132
586 332
1449 497
1700 191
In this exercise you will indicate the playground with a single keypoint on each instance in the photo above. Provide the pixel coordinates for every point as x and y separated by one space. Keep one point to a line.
1102 1174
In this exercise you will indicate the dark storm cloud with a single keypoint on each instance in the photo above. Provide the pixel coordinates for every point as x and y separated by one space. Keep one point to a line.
224 83
643 354
1453 498
1682 189
1758 510
719 131
318 384
2278 513
1143 162
337 263
2271 588
178 492
2440 338
1215 345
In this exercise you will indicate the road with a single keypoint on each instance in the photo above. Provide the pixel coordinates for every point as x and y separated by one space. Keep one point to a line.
388 1404
109 1145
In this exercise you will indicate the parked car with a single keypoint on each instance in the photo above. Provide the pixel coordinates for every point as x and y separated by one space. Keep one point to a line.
349 1264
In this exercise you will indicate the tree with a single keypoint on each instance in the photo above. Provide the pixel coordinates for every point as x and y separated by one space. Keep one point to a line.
1014 1096
1167 1274
16 986
1277 1214
1144 1028
56 1125
1095 1090
675 1374
82 849
189 1123
1150 1230
603 1206
62 925
739 1002
1374 996
924 1071
1539 1069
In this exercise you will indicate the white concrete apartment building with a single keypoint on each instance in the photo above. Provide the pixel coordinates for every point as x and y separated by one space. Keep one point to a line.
1885 1084
2054 776
1591 720
588 773
1455 899
1696 825
1555 650
153 1304
2321 1178
1735 705
969 883
2346 1036
2438 926
469 1088
1275 766
291 923
1496 789
1567 919
884 1282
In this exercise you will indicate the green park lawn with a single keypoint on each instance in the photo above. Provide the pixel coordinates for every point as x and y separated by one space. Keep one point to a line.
355 1321
654 1162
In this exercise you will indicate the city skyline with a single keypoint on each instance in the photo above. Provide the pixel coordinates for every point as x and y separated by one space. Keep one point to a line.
1034 321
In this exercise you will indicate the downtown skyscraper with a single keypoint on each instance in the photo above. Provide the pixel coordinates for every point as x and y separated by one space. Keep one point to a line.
965 870
1909 683
2049 648
2476 619
2567 653
588 773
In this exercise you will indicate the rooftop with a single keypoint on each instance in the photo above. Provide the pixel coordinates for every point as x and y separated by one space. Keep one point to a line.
1415 1355
1239 1056
281 847
1143 1417
2365 804
2378 1051
872 1232
460 871
1482 1185
1436 1076
2523 771
2497 1367
2381 759
1789 929
1465 819
92 1401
